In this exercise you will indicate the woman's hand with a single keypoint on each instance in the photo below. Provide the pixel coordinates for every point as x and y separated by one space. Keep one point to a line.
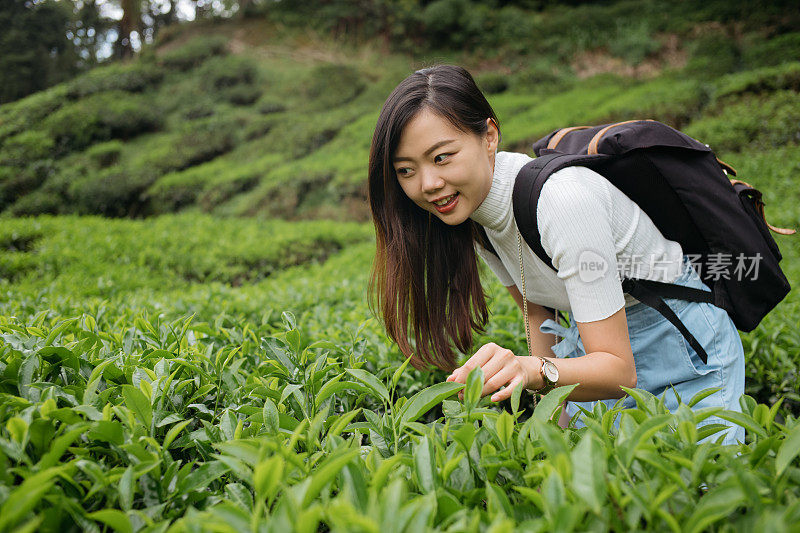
500 367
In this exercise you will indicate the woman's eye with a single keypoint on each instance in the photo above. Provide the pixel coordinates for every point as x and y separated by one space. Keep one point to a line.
441 157
405 171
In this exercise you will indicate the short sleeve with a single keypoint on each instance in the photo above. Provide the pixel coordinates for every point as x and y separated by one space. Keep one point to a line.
574 220
495 265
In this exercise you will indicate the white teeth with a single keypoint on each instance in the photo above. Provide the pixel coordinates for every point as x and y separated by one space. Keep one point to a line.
444 201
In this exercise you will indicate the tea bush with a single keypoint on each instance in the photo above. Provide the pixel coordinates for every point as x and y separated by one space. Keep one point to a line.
27 146
281 404
713 54
750 123
759 81
772 51
331 85
101 117
105 154
16 183
194 52
27 113
131 77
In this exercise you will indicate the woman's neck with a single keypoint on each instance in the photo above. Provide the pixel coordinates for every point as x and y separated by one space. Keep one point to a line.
495 211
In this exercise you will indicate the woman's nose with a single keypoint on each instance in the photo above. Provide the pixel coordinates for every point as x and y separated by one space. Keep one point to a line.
431 181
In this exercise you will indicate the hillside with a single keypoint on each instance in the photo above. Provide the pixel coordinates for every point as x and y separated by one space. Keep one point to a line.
186 343
256 118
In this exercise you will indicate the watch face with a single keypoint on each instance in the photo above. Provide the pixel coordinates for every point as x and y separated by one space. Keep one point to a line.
551 372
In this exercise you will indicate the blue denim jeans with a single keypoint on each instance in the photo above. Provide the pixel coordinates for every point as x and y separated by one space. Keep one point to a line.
665 360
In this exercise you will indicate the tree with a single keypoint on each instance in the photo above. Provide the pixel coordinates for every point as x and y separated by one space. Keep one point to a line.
35 52
130 22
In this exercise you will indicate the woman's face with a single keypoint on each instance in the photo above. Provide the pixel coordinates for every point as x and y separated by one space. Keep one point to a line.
445 171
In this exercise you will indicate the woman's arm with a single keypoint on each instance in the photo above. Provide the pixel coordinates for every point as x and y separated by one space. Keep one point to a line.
608 362
541 343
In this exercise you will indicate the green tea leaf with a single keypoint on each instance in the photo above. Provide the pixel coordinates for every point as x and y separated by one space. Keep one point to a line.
271 418
370 381
550 402
421 402
399 372
329 389
474 386
702 394
267 476
126 489
326 473
497 502
114 519
789 449
505 428
25 497
743 420
203 476
588 470
627 447
173 433
425 465
137 402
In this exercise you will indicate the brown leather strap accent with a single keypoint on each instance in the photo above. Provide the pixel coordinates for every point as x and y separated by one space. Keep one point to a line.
596 139
729 169
760 208
555 139
782 231
734 182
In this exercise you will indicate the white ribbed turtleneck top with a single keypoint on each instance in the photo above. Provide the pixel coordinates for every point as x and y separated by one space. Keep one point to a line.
585 223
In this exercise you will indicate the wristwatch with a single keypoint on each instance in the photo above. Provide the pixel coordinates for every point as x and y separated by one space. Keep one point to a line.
549 375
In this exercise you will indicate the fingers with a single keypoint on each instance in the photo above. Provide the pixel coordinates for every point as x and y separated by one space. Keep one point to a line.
504 376
508 391
480 357
500 367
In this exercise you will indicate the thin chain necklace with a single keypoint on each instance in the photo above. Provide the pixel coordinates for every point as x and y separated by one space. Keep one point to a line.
525 305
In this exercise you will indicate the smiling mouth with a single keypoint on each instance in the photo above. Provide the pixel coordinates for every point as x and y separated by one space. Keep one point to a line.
446 204
446 200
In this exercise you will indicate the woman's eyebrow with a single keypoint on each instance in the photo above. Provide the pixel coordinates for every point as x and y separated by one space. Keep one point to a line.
428 151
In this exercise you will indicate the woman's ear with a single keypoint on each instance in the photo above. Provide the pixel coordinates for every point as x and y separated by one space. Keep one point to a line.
492 136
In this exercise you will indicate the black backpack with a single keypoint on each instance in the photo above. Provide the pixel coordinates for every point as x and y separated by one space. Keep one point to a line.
684 188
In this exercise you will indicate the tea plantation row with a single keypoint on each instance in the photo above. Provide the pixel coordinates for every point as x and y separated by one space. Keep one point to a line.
134 397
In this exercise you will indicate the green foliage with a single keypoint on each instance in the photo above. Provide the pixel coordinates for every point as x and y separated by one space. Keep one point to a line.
18 182
634 42
193 53
492 83
78 252
105 154
25 114
760 81
35 52
750 123
131 77
332 85
453 23
713 54
220 73
24 147
772 51
101 117
225 419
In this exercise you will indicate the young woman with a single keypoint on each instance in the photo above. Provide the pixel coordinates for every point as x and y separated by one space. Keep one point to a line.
435 176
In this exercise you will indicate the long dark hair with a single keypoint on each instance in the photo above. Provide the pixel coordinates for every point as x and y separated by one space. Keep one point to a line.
425 274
